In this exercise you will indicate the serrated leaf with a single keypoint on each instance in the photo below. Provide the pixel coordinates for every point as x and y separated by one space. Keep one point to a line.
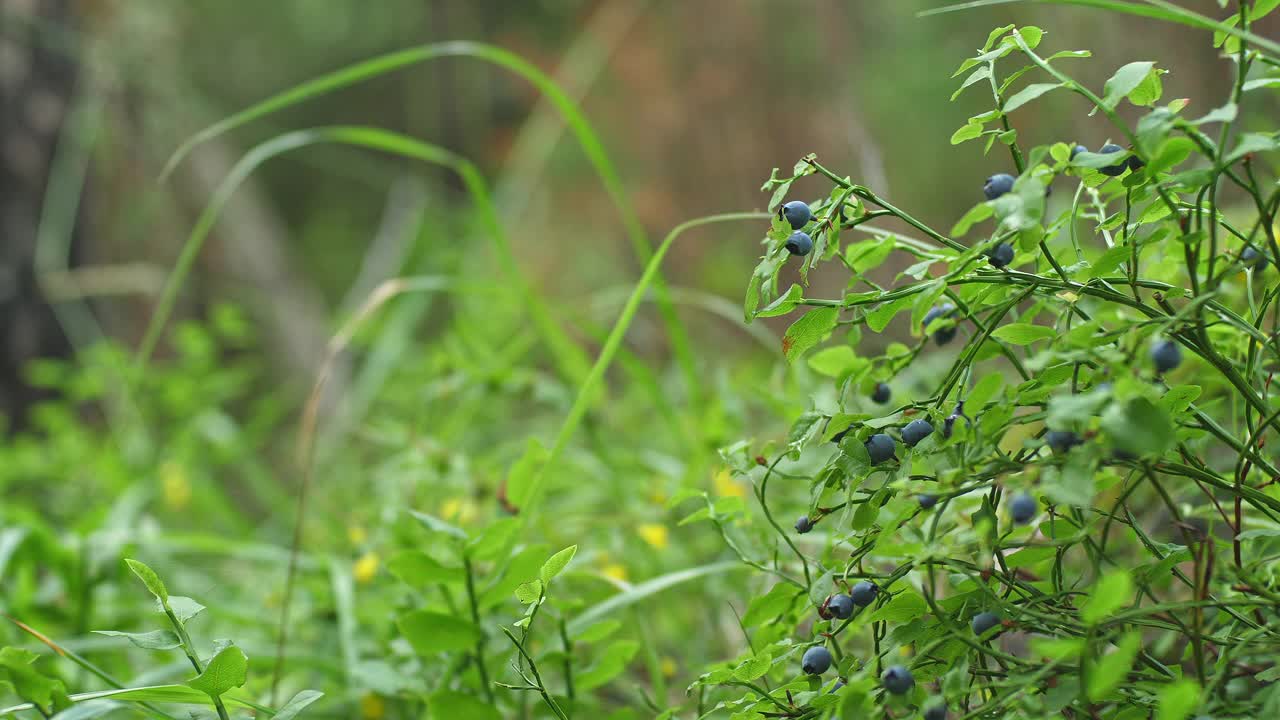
155 640
1124 81
228 669
149 579
808 331
1109 594
556 563
1023 333
529 592
433 632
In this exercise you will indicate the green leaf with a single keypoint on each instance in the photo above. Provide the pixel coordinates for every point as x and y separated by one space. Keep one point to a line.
646 589
784 304
906 606
184 608
1124 81
1253 143
149 578
1027 94
1056 648
834 361
521 478
809 330
556 563
865 515
984 391
1110 670
610 664
435 524
228 669
769 606
966 132
432 632
1173 152
32 685
599 631
155 640
1023 333
1179 398
976 214
1178 700
297 704
1139 427
976 76
418 569
1109 594
496 540
1148 91
452 704
529 592
753 667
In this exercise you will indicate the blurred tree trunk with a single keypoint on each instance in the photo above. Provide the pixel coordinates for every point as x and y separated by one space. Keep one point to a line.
37 79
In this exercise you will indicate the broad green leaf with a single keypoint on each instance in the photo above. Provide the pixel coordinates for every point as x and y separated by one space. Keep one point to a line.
809 330
1124 81
228 669
1178 700
449 704
435 524
1148 91
418 569
529 592
30 683
1023 333
978 75
1109 594
753 667
1179 398
599 631
834 361
968 131
609 665
767 607
495 541
1110 670
785 302
556 563
184 608
1027 94
1139 427
155 640
976 214
906 606
1173 152
865 515
646 589
1056 648
149 579
432 632
297 704
984 391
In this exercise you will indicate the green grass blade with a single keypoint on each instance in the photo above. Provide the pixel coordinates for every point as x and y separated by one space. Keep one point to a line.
582 130
645 589
1154 9
570 358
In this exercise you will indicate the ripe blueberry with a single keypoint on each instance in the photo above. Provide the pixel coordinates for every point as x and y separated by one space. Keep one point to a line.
984 621
797 213
927 501
1118 168
799 243
1254 259
1001 255
1077 150
936 712
864 593
897 680
997 185
1166 355
1135 163
1022 508
915 431
816 660
841 606
804 524
881 394
1061 440
880 447
943 335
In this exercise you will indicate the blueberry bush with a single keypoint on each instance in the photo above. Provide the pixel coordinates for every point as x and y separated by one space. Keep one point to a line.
1057 499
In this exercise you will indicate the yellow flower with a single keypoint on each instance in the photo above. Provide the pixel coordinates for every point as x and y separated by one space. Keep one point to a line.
357 535
668 666
726 486
365 568
658 496
617 571
372 707
458 509
656 535
176 486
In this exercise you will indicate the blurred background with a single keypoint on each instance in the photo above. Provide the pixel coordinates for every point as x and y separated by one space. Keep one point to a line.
192 464
696 102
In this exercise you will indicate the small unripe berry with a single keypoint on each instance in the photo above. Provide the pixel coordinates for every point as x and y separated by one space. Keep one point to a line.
799 243
997 185
816 660
797 213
